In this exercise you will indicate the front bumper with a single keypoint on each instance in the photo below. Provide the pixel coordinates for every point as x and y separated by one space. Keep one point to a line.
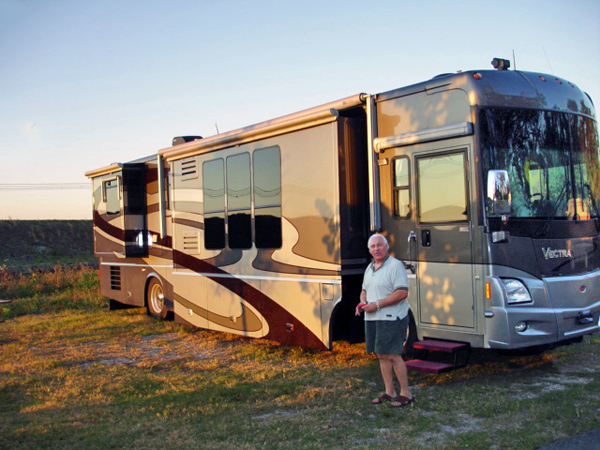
564 308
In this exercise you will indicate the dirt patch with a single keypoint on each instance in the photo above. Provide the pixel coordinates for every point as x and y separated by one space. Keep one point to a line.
149 350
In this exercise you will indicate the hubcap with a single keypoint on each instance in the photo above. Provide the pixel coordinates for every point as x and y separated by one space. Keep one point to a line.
157 298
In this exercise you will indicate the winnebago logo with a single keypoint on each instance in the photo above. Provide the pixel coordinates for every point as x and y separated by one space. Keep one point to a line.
552 253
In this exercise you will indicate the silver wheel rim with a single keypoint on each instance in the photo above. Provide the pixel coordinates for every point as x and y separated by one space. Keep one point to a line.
157 299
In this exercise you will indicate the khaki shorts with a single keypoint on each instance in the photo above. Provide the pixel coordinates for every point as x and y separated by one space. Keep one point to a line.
385 337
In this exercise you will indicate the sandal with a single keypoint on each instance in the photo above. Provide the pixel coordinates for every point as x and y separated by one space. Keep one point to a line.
401 401
383 398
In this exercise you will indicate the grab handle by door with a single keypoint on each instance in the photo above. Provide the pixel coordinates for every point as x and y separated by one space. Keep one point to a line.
425 238
412 236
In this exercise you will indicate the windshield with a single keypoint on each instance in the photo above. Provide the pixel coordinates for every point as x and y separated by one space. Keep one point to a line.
552 159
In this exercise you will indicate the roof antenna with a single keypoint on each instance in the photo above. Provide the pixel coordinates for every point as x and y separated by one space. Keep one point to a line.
547 59
514 60
217 127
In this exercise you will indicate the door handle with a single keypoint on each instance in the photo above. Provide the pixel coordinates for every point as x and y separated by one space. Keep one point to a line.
426 238
412 236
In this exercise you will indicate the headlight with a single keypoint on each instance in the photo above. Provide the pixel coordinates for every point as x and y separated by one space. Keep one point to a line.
516 292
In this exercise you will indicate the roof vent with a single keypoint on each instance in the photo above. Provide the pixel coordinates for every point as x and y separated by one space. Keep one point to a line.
500 64
183 139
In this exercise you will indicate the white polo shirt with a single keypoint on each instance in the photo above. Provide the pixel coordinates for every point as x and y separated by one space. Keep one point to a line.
380 283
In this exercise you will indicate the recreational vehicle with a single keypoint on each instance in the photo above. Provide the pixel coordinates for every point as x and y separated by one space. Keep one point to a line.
485 182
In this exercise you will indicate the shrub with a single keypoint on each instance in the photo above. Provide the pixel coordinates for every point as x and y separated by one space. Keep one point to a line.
42 291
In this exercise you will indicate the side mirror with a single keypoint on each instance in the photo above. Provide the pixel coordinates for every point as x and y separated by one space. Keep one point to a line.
498 192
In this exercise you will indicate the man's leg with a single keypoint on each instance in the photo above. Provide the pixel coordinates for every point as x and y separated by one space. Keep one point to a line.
386 366
402 374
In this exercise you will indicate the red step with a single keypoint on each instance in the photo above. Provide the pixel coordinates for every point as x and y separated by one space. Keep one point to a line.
439 346
428 366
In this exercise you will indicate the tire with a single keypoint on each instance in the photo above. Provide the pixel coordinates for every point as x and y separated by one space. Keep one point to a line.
155 299
411 337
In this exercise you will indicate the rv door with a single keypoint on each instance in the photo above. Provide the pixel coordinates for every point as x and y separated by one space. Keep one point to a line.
443 239
136 238
429 229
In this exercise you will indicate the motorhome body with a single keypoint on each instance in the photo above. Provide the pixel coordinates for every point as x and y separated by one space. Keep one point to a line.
262 231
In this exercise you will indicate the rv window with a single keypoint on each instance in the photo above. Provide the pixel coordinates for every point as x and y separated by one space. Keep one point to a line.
401 188
442 188
238 201
111 196
214 204
267 198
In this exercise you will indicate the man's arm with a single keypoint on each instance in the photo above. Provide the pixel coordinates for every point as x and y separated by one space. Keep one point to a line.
363 299
395 297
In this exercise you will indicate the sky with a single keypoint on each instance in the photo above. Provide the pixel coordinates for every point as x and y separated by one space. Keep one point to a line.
87 83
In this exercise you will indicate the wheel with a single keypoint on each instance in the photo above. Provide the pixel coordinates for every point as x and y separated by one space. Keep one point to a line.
155 299
411 337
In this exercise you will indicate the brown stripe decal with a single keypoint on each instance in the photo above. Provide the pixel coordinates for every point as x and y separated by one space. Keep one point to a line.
109 229
247 321
264 261
276 316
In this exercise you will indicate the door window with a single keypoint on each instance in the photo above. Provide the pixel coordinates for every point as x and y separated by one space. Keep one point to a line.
442 188
112 196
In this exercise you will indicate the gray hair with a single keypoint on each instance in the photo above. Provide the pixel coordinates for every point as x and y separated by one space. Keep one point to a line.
380 236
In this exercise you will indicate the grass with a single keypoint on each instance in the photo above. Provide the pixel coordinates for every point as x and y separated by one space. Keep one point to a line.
75 375
39 292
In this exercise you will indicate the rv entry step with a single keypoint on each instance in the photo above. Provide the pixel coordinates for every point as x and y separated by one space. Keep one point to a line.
436 356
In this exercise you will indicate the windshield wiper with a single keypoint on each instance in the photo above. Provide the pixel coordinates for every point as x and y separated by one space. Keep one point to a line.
543 229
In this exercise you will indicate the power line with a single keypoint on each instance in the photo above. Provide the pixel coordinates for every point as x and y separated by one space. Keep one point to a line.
42 186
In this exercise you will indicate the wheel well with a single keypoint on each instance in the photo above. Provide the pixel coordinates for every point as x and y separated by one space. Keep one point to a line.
345 325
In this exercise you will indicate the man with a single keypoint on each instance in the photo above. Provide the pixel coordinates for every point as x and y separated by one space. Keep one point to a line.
383 299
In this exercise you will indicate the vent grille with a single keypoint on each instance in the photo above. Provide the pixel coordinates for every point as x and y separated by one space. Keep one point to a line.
115 278
189 168
191 241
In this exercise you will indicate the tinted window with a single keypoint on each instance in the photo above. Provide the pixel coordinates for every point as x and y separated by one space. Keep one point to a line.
552 159
238 201
214 204
267 198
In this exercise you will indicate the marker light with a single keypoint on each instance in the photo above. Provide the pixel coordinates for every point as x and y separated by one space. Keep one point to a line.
488 290
516 292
